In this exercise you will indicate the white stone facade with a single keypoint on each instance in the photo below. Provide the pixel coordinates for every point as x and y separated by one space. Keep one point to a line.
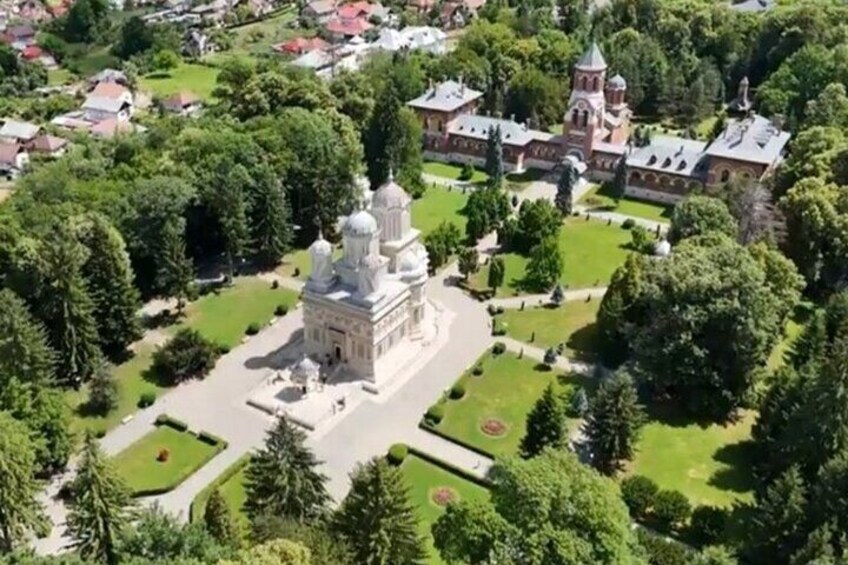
372 300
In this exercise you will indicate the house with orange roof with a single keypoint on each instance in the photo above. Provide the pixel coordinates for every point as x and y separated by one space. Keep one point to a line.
182 103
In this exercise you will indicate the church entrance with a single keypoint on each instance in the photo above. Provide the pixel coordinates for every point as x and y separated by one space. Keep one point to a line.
338 340
337 351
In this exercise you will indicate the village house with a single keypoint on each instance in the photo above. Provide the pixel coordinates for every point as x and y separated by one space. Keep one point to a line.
319 11
181 103
596 134
301 45
18 37
14 131
412 38
13 160
48 145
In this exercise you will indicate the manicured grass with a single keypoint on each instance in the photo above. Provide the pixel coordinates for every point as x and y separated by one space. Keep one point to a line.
572 323
187 77
231 484
131 385
58 77
451 171
707 463
423 479
437 205
257 38
224 316
143 472
591 251
793 328
599 199
506 391
300 259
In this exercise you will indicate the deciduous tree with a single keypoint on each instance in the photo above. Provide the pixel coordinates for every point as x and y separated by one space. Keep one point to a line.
699 215
497 271
545 266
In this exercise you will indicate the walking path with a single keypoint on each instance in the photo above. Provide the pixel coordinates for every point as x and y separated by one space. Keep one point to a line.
617 218
530 299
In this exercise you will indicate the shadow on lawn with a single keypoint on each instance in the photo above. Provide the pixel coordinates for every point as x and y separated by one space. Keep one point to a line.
738 477
159 75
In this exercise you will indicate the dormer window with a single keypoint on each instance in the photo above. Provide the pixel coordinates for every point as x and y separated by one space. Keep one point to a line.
652 160
681 166
666 162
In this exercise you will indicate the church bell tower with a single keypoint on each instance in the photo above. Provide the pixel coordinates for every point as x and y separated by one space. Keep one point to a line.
584 119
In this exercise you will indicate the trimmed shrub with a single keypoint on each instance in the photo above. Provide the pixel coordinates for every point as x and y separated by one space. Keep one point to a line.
252 329
281 310
707 524
223 349
492 309
639 494
477 370
628 223
163 456
662 551
467 172
435 414
397 453
165 420
457 391
296 272
188 355
498 348
146 399
671 509
206 437
499 310
275 284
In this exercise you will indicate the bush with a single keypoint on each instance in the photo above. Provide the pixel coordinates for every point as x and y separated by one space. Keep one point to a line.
457 391
165 420
397 453
662 551
275 284
435 414
208 438
628 223
498 348
707 524
223 349
467 172
281 310
296 272
671 509
477 370
163 456
492 310
639 494
146 399
578 404
499 310
188 355
252 329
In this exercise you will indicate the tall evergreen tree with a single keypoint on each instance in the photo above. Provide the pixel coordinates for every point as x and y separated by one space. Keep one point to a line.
176 272
102 390
67 308
497 271
109 279
24 351
377 518
619 179
494 157
231 209
564 199
100 506
545 425
271 220
282 478
615 417
20 511
220 522
778 523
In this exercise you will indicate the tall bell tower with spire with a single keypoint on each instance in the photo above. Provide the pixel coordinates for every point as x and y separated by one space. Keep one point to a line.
584 119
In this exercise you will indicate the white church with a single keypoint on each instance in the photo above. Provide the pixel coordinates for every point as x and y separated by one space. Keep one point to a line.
370 303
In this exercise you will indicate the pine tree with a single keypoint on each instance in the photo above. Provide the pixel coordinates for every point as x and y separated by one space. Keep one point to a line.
100 507
109 279
545 265
615 417
558 295
393 142
619 179
282 479
778 523
497 271
545 425
176 272
231 209
67 308
220 522
24 351
102 391
271 219
377 518
494 157
564 199
20 511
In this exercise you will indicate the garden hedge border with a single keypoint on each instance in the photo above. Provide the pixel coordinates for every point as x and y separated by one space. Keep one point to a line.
205 437
449 467
427 426
194 513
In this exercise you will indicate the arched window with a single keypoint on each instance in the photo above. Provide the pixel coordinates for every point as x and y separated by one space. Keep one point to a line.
574 116
583 83
725 175
595 84
635 176
585 118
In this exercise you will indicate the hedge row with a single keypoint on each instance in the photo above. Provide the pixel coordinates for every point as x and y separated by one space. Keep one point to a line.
198 505
165 420
427 426
451 468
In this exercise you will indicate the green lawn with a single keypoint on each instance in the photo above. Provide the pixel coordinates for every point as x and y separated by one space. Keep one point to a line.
187 77
131 385
223 317
707 463
572 322
591 250
599 199
506 391
299 259
423 479
257 38
451 171
139 465
231 484
437 205
58 77
793 328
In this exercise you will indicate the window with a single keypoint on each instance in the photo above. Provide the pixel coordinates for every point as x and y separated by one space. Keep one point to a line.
583 83
575 115
585 118
595 84
725 175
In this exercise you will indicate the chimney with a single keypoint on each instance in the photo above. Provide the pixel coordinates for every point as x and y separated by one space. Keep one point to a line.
512 117
461 86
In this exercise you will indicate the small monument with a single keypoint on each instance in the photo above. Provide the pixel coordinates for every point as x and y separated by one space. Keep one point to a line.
306 374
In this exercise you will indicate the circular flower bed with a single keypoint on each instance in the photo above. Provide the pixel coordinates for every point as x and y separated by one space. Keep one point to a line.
442 496
493 427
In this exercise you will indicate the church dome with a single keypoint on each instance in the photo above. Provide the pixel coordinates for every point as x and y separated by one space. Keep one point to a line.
321 247
360 223
617 82
390 195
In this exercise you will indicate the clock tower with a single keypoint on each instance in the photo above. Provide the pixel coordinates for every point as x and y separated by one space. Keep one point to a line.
584 121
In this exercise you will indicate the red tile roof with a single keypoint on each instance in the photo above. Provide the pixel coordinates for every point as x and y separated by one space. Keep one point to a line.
48 143
301 45
31 52
349 28
108 128
355 10
180 100
109 90
9 153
